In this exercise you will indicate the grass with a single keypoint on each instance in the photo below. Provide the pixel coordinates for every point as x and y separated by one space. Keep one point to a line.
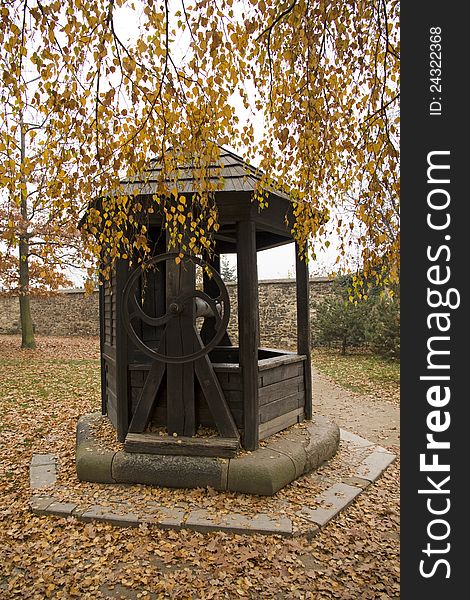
360 371
25 381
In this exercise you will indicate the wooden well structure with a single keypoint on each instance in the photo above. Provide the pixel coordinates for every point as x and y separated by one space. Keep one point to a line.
161 371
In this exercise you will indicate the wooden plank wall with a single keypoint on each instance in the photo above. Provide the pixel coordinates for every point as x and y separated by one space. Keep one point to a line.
109 359
108 348
280 388
109 305
230 384
281 397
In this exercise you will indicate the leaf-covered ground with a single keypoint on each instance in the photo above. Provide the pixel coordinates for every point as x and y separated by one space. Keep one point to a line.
42 394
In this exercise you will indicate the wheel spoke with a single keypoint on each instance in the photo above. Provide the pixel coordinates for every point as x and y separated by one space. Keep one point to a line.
132 309
153 321
158 321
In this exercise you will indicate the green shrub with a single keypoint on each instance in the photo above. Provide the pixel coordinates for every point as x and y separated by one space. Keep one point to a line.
383 328
339 320
374 321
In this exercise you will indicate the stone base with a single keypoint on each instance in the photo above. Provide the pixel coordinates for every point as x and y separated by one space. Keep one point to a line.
290 454
358 464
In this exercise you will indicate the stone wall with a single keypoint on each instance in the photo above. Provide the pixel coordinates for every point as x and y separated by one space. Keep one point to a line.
278 310
71 312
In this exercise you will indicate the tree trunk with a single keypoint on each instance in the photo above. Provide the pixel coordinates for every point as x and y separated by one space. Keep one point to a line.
27 332
343 347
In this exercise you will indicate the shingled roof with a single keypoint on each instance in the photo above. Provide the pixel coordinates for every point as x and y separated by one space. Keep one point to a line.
230 174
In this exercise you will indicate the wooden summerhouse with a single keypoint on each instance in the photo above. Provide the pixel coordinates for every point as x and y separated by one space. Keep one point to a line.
163 370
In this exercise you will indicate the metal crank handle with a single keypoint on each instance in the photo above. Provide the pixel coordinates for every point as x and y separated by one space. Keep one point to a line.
204 310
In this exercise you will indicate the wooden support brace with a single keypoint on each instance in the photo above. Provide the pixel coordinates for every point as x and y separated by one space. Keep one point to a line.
147 397
214 395
146 401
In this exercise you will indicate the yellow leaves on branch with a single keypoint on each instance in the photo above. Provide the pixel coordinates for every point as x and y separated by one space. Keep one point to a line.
318 83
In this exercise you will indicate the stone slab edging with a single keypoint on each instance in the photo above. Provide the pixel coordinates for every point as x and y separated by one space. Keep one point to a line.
323 508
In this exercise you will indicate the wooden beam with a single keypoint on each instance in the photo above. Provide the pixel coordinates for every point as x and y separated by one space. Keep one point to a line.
225 238
248 329
181 412
152 443
187 327
273 217
267 239
154 298
175 389
303 326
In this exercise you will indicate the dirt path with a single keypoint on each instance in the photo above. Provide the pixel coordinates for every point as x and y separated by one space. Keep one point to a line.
378 421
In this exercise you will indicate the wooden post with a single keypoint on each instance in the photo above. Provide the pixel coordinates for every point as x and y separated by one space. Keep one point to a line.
211 288
181 412
122 391
303 326
248 329
104 408
154 298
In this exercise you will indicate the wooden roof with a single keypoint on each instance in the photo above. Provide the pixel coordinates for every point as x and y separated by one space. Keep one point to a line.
230 174
234 182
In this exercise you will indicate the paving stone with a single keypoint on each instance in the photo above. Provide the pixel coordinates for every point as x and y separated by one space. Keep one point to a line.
42 476
374 465
161 516
104 513
352 438
203 520
356 481
61 509
38 460
39 504
263 472
337 497
92 460
381 449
